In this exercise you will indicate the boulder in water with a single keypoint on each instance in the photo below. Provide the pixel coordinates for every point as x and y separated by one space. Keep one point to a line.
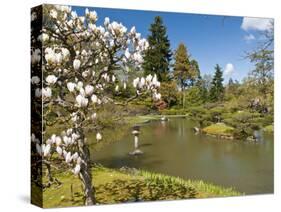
136 152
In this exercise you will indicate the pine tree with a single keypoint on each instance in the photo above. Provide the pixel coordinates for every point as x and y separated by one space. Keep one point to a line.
217 89
158 56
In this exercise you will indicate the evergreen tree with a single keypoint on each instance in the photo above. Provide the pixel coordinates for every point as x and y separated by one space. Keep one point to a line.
194 71
186 71
217 89
202 86
158 56
230 82
181 66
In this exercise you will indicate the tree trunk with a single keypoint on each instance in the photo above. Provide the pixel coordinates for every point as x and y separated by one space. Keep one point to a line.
85 176
85 173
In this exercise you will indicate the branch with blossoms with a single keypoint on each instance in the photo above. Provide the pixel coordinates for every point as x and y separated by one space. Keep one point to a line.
79 63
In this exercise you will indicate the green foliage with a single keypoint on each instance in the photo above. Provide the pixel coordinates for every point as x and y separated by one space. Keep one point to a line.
169 93
200 115
217 89
244 123
193 97
158 56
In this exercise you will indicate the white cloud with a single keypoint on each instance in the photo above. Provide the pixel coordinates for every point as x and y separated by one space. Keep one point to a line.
249 37
260 24
228 70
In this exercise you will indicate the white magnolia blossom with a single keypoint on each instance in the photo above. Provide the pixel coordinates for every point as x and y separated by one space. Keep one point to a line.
127 53
157 96
79 85
56 56
65 53
94 98
106 21
98 136
51 79
67 140
124 85
46 92
148 83
76 64
43 150
133 30
94 116
35 80
36 56
71 86
34 139
58 140
45 37
53 13
113 78
68 157
33 16
89 89
77 169
117 88
38 92
59 150
81 101
92 15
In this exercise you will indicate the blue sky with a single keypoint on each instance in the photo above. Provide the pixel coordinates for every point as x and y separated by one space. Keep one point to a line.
210 39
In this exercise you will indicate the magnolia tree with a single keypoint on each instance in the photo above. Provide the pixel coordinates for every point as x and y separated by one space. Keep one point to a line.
79 63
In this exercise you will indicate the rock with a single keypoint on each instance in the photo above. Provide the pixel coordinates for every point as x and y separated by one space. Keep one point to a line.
196 129
251 139
164 118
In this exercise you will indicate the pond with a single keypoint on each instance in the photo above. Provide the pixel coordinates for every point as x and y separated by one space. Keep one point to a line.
173 148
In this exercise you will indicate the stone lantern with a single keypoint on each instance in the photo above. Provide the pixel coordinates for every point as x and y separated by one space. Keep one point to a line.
136 132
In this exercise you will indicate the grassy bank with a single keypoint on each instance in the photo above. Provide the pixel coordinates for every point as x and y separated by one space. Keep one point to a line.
129 185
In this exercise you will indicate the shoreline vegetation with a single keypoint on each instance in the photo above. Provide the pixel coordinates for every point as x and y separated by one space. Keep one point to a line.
129 185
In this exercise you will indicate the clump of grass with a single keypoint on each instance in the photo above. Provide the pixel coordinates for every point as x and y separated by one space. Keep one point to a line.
201 189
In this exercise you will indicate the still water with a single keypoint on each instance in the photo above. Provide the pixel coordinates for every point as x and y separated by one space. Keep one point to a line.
173 148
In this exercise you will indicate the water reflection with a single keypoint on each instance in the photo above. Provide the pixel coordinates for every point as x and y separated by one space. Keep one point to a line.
172 148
